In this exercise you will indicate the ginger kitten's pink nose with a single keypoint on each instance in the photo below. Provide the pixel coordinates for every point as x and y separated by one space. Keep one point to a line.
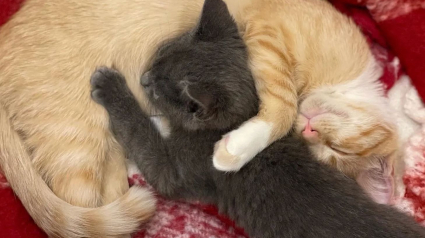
310 134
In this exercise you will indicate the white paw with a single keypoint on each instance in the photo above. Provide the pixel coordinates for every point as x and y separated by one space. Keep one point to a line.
239 146
161 126
132 168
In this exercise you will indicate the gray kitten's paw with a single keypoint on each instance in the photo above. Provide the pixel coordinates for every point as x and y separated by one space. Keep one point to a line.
107 86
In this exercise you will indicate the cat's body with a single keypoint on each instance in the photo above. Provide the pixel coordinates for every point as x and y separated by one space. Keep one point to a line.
48 50
310 60
201 81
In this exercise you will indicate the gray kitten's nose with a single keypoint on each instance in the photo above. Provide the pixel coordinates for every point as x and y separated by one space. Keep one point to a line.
145 80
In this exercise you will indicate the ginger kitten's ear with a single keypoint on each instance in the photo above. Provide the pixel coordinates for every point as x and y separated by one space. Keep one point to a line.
378 181
216 22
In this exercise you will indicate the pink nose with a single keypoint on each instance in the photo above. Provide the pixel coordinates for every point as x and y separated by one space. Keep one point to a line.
309 133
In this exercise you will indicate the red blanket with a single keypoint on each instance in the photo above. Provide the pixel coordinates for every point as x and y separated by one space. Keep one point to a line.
395 30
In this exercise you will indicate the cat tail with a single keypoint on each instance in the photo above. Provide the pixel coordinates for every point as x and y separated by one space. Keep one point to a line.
57 217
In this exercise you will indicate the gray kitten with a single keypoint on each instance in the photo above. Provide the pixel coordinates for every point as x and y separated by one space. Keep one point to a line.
202 83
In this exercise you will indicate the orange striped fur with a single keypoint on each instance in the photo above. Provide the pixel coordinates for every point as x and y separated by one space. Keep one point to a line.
305 49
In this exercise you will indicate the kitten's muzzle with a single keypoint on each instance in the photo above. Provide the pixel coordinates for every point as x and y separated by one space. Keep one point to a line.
145 80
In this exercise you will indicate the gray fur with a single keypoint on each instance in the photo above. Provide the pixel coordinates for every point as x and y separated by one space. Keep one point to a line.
202 83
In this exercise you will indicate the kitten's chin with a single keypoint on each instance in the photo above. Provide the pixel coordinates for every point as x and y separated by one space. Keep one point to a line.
191 124
311 138
192 127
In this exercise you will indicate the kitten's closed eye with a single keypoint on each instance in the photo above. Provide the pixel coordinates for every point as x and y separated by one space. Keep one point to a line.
340 150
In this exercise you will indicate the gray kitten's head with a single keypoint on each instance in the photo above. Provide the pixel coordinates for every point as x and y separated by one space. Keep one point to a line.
201 80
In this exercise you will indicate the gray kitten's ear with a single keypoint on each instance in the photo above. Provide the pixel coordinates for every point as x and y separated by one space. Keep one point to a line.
216 22
202 100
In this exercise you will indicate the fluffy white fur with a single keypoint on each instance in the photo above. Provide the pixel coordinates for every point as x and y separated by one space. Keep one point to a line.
344 110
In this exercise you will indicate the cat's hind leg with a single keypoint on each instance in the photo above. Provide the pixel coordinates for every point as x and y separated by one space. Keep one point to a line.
71 150
78 180
115 179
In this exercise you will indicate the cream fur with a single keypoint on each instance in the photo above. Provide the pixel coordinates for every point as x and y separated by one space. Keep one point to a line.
58 218
49 50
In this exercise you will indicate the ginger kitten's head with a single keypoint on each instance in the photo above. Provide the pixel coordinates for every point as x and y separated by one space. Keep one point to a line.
202 79
340 130
349 131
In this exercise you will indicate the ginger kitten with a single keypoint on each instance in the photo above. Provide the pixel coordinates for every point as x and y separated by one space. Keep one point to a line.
55 146
304 52
349 126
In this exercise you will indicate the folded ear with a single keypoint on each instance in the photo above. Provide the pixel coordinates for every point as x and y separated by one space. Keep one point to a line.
204 100
216 22
378 180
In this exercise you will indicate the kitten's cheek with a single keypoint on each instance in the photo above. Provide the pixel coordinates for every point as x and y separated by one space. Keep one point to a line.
155 96
148 91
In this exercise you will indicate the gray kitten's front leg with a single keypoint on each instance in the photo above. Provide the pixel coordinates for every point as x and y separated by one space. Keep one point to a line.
135 132
110 90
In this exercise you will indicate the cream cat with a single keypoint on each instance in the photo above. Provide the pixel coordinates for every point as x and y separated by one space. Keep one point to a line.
51 130
305 51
